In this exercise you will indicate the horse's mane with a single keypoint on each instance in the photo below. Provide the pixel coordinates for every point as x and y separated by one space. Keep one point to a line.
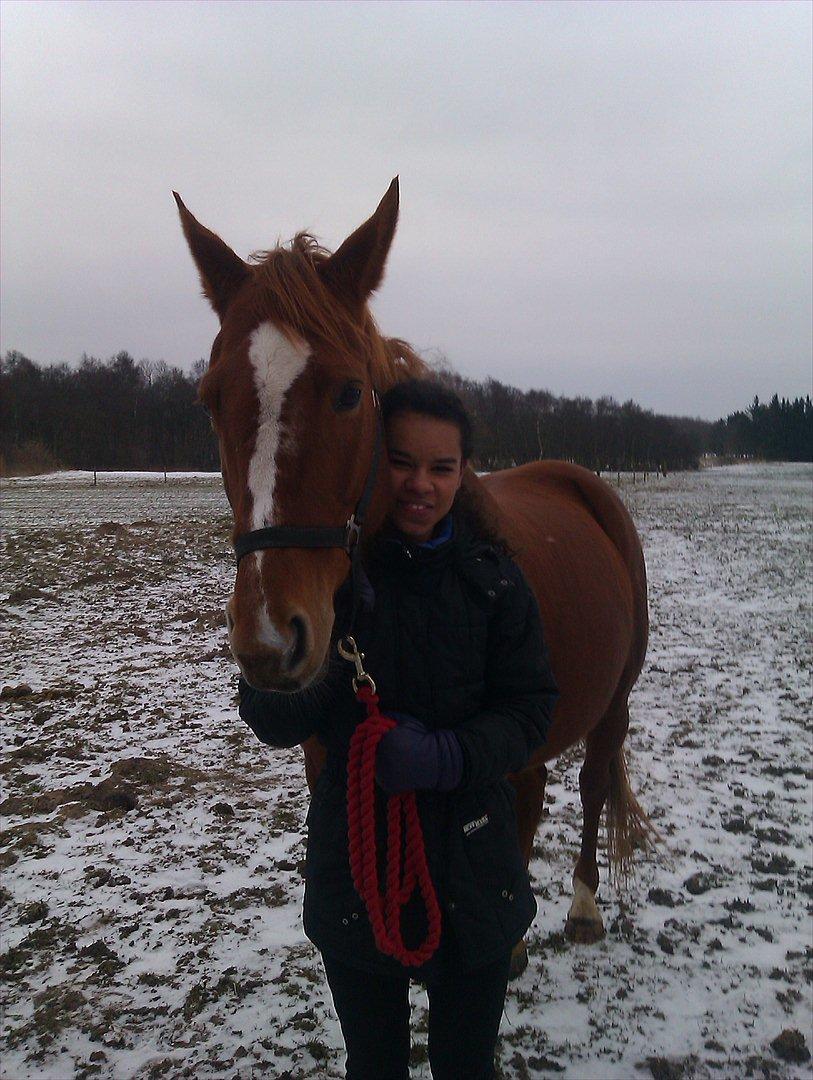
291 291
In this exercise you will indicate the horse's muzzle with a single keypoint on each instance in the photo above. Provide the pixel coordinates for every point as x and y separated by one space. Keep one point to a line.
273 667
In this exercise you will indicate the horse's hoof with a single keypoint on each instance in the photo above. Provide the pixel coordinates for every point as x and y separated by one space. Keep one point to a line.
584 931
519 961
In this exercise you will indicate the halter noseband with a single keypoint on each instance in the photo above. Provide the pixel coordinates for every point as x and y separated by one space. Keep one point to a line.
323 536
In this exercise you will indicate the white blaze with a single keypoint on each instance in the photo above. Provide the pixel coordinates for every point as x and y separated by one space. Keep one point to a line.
276 362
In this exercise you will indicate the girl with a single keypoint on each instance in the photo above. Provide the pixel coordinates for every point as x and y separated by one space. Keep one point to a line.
453 640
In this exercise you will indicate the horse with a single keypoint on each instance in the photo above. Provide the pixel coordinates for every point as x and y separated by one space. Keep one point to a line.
291 390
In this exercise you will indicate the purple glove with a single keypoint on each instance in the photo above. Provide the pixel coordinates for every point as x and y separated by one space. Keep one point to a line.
413 756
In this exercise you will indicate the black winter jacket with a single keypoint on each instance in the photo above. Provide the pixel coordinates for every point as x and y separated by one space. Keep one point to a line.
455 640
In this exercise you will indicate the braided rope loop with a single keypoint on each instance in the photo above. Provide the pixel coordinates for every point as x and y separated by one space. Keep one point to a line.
404 869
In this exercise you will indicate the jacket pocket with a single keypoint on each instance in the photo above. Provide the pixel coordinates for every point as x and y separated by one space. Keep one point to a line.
487 835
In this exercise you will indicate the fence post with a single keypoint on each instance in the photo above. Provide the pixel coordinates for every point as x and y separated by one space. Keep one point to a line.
94 478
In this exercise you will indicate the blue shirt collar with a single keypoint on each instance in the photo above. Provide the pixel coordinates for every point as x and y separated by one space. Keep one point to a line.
444 531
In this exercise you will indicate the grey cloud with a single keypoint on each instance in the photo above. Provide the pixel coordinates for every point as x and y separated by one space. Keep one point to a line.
595 198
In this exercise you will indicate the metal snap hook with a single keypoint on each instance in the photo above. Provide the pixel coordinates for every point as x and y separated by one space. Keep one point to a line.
349 650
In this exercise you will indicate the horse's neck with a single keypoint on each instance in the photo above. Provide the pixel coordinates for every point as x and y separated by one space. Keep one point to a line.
483 497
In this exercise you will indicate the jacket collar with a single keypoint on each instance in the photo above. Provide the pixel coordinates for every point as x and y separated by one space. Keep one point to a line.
452 541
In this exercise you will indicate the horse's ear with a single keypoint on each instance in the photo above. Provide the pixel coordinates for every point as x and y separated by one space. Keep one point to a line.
356 269
221 271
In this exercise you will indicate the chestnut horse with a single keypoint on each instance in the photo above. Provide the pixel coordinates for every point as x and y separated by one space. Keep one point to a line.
291 391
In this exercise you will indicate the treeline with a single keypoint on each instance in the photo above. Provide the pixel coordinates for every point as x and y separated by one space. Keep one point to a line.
513 426
119 414
779 431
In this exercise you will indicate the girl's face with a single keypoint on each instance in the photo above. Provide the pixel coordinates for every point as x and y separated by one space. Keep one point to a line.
425 470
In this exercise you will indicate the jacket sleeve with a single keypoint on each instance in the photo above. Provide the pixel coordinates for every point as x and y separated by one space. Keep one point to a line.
520 690
280 719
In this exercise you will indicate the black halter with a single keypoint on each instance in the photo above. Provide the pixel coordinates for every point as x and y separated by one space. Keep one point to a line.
324 536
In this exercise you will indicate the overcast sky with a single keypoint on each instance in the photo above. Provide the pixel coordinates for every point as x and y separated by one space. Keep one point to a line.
596 198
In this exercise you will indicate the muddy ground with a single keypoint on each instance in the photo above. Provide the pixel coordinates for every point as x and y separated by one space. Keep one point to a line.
152 850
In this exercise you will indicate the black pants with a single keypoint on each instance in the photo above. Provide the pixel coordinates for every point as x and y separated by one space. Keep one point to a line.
464 1018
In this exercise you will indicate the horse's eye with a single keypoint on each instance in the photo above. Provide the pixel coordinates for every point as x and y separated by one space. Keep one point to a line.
348 398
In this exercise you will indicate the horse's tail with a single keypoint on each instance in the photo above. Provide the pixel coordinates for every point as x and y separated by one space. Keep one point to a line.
628 826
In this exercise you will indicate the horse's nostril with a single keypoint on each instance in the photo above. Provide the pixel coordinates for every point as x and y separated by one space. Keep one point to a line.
296 653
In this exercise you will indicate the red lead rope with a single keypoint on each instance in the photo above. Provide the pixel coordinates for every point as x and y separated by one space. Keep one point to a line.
385 911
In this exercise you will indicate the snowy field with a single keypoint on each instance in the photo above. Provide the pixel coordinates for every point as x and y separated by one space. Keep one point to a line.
152 849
